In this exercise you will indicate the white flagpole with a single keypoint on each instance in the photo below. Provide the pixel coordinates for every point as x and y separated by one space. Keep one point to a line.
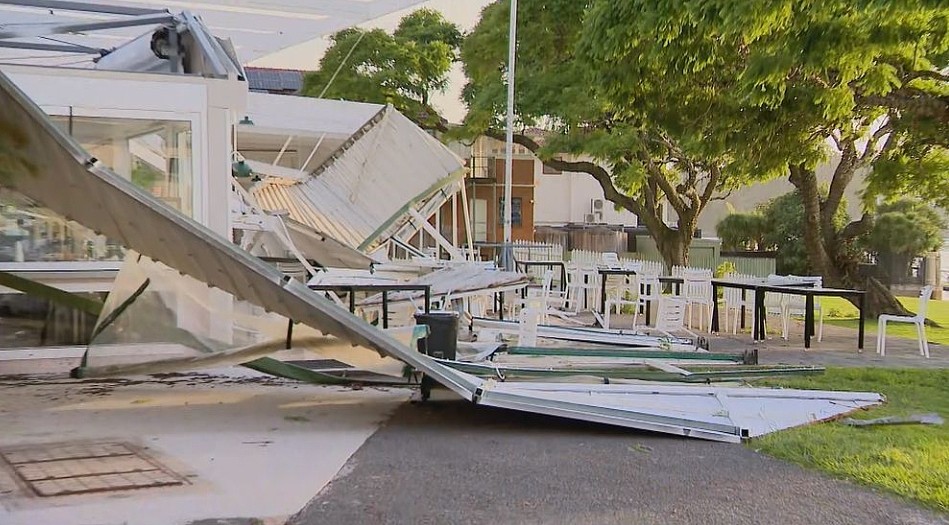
506 252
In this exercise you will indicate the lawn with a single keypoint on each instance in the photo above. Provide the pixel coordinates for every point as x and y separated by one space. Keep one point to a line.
910 460
839 312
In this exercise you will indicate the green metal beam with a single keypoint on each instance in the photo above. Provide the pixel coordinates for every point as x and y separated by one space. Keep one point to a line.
55 295
609 352
699 374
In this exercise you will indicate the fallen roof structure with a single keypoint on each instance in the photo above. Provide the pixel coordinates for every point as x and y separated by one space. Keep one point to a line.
385 181
48 166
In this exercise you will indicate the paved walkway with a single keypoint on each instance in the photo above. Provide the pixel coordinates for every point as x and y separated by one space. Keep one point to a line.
453 462
838 348
245 445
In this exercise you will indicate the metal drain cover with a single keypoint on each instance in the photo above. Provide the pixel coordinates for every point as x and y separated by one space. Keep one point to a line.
63 469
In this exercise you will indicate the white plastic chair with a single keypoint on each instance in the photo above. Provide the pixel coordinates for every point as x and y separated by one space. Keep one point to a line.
626 294
919 320
797 305
670 316
650 290
583 285
610 260
697 291
732 297
537 298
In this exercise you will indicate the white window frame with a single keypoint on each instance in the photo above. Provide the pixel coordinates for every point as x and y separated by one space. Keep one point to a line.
199 183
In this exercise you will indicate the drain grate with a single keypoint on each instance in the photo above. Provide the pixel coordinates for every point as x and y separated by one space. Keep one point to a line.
65 469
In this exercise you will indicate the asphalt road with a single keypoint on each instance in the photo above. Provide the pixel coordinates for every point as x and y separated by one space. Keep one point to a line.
453 462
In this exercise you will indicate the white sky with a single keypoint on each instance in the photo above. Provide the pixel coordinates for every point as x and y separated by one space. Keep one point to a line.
465 13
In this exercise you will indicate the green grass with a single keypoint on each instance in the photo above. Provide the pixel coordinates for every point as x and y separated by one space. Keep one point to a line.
839 312
909 460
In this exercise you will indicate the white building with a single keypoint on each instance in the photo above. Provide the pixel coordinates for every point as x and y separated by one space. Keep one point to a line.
166 120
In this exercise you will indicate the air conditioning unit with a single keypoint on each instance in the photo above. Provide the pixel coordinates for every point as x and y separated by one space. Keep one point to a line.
596 205
593 218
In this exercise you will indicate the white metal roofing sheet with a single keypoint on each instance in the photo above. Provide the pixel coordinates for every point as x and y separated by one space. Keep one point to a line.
363 191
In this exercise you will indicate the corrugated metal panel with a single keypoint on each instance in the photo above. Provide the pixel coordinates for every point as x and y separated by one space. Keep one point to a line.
306 115
361 194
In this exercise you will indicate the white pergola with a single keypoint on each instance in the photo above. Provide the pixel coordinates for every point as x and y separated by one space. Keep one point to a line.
62 32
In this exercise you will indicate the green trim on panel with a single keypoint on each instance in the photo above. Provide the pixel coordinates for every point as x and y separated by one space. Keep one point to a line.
607 352
37 289
454 177
641 372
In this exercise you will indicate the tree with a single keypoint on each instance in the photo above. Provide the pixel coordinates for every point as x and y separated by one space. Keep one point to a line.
403 69
784 232
902 230
659 142
742 231
858 82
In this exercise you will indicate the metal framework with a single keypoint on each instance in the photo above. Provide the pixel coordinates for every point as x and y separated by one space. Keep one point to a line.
217 59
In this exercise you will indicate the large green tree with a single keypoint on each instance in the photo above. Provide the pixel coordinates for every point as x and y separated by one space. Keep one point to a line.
902 230
655 143
858 83
403 69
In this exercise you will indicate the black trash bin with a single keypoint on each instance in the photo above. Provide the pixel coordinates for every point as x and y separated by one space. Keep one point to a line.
442 340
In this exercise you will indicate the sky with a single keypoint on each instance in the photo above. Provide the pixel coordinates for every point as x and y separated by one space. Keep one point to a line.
465 13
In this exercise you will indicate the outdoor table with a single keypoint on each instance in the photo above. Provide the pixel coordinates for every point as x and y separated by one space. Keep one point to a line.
544 264
384 288
761 288
606 272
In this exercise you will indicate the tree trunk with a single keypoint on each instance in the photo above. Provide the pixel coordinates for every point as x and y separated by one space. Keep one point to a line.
824 254
673 245
881 300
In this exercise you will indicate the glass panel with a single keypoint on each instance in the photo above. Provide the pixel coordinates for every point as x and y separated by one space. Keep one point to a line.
515 211
154 154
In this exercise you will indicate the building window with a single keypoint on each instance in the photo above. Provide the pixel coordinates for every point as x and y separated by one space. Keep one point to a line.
156 155
515 212
479 219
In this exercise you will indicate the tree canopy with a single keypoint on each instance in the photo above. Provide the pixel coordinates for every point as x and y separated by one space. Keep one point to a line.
646 140
906 227
403 69
859 83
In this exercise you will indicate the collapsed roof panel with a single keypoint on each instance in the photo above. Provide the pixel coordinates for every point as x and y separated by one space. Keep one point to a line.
362 194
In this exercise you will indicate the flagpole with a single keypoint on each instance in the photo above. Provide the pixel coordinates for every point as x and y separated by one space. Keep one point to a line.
507 258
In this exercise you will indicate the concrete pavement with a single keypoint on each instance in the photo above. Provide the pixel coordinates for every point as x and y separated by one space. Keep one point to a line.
247 446
452 462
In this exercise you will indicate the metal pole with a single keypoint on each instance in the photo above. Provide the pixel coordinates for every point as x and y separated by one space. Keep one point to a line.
506 258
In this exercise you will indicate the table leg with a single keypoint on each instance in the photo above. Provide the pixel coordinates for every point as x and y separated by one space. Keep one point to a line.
289 333
715 308
385 310
563 279
808 319
603 278
744 296
500 306
862 300
352 300
759 313
648 305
